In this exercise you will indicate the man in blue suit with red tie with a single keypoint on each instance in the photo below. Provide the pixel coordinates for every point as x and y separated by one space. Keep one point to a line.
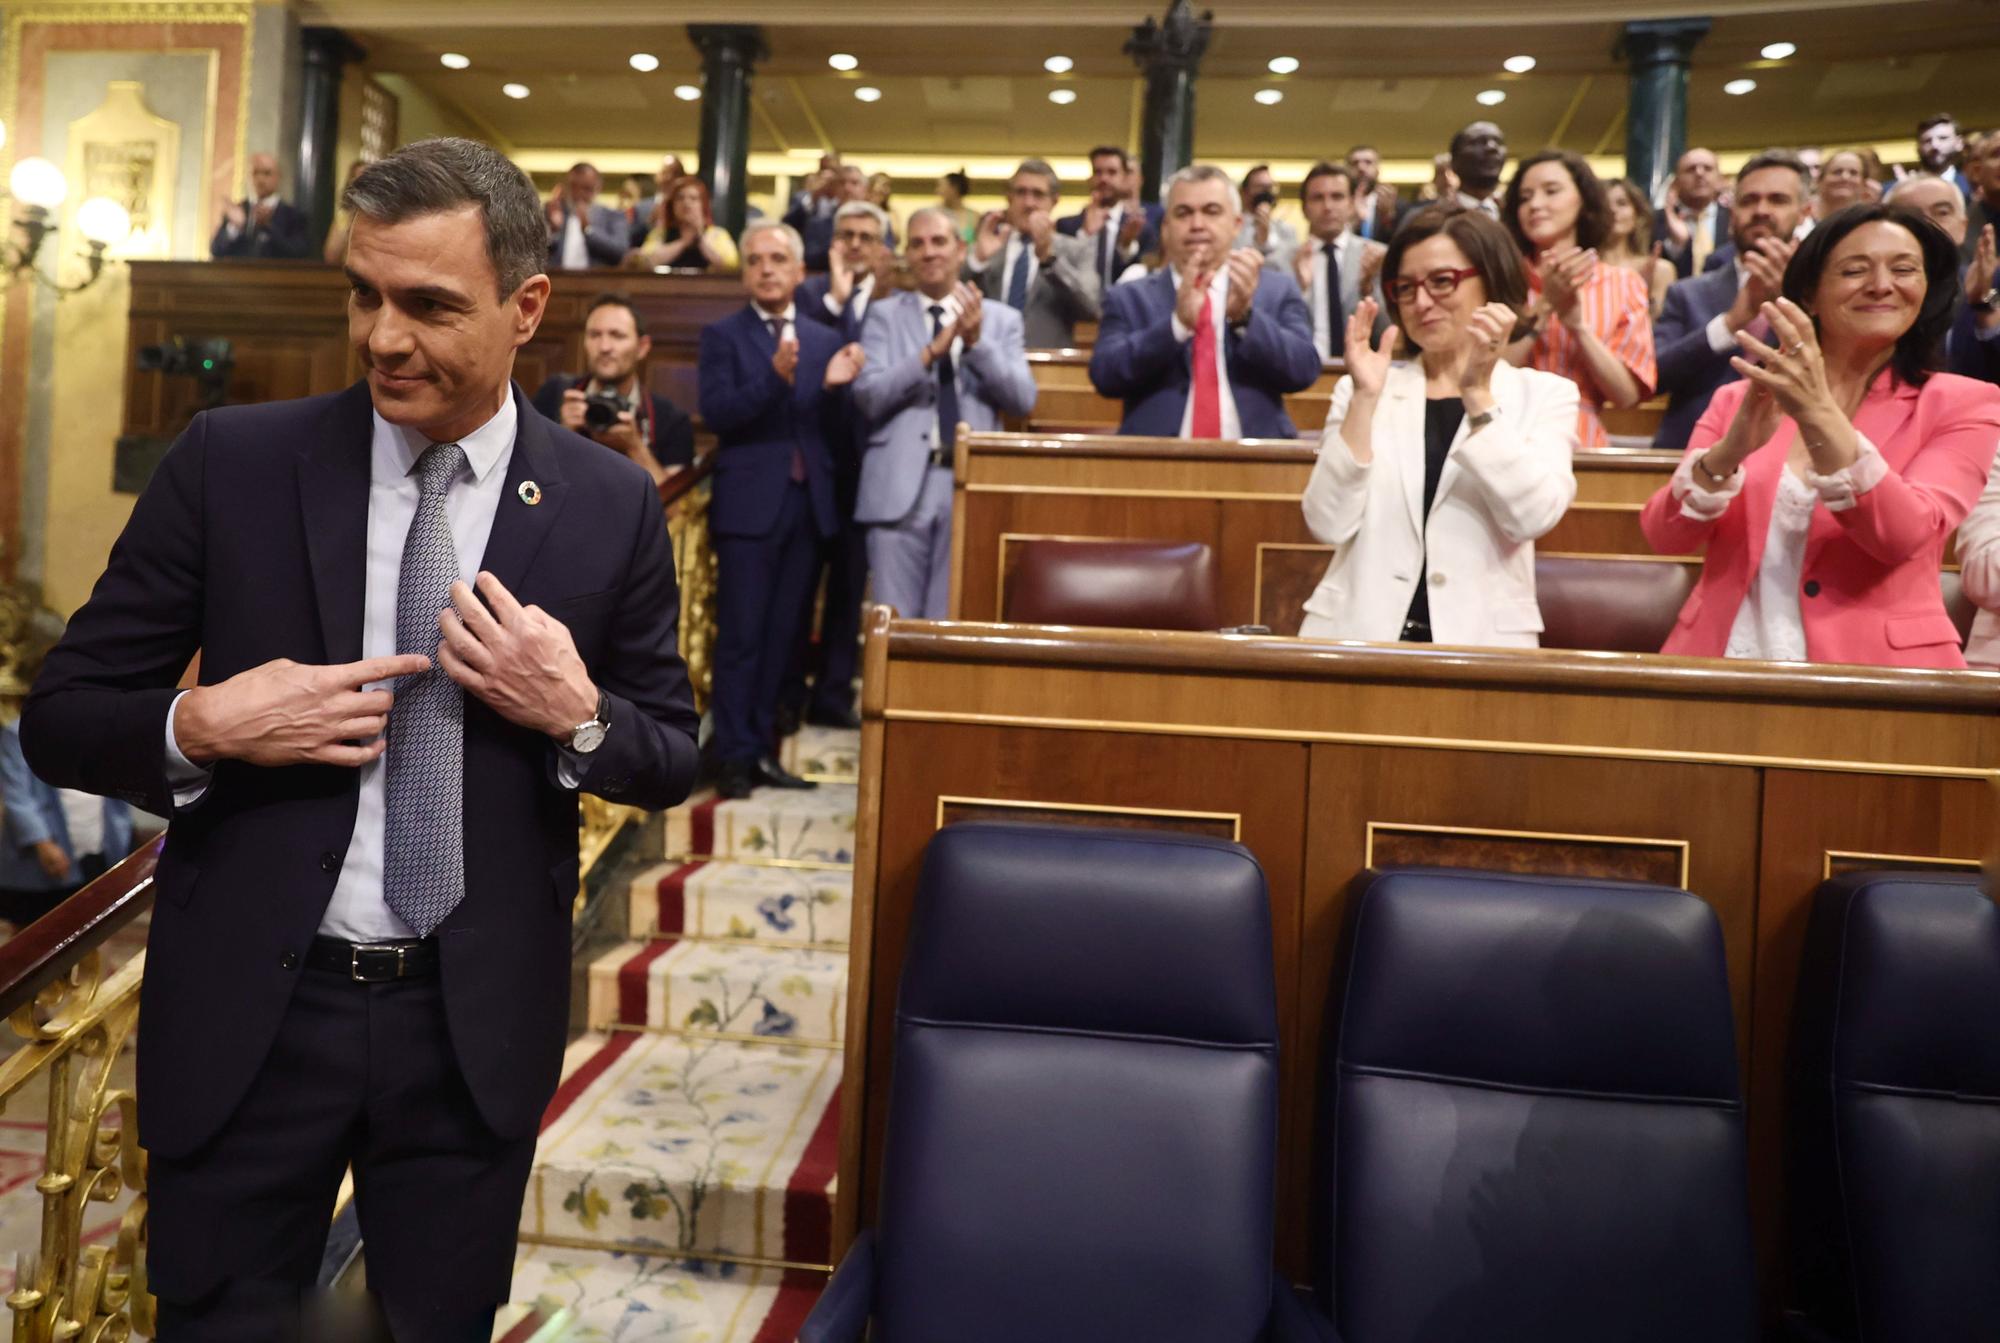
773 389
1208 346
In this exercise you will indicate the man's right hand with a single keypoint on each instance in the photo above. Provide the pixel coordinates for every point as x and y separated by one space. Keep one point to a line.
1094 216
839 278
289 713
1763 281
49 856
232 214
786 361
991 237
571 413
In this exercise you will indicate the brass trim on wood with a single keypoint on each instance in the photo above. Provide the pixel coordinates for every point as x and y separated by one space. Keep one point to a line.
1235 818
1092 492
1913 861
1607 841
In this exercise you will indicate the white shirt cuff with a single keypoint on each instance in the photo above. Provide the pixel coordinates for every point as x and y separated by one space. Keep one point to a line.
1843 489
1720 338
831 306
1182 331
569 768
187 780
1698 503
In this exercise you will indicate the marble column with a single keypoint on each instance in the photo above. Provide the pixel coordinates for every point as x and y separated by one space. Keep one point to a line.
1656 106
324 53
728 51
1169 53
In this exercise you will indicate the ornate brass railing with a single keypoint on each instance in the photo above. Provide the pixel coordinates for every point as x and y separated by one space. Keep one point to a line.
685 496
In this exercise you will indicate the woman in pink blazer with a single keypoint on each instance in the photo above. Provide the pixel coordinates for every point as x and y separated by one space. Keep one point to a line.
1822 488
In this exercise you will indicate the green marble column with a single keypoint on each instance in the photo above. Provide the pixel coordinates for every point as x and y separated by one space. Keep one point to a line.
728 51
1656 107
1169 54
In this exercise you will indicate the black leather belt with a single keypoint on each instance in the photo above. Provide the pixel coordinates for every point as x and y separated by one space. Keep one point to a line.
374 962
941 456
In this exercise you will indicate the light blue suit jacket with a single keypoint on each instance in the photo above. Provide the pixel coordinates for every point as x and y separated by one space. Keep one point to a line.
897 396
30 812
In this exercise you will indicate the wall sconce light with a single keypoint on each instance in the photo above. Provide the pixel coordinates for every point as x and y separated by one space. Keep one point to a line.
38 188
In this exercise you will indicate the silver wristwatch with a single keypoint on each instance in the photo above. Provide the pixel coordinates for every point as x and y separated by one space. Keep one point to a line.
588 736
1474 423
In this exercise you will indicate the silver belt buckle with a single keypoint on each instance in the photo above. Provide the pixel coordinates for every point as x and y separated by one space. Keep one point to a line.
354 971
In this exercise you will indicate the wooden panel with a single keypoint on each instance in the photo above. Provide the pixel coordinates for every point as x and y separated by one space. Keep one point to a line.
1286 574
1209 825
1066 401
1663 862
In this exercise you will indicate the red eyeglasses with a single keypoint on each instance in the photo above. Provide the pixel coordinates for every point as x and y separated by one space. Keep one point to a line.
1439 284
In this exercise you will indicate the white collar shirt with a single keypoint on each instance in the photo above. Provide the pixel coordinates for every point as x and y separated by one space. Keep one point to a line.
789 331
1218 293
575 252
1490 204
864 291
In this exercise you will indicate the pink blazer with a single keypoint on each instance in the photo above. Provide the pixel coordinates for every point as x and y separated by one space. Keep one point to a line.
1869 585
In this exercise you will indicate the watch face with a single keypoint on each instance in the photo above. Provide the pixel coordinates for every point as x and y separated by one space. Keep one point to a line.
587 738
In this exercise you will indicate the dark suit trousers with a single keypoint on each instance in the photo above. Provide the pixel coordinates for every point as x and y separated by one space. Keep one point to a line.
831 661
763 592
360 1074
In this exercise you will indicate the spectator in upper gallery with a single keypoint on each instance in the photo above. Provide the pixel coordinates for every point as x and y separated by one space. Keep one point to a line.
1021 260
1377 206
1842 182
881 190
858 267
1592 321
647 428
263 224
1335 267
1695 336
1119 231
583 232
1694 223
1443 186
936 356
851 185
1478 159
1207 346
1821 489
1940 146
1274 238
688 238
1984 172
1629 243
1814 158
1972 346
335 248
1445 467
953 188
818 196
651 212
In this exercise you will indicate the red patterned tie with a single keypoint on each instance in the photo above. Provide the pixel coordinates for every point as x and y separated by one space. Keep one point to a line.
1207 421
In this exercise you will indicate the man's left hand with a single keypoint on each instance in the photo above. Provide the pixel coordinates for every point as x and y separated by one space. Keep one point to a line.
1244 263
623 436
519 660
971 311
1042 232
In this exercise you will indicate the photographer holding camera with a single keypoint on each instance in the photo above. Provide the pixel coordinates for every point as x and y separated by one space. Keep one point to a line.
609 403
1274 237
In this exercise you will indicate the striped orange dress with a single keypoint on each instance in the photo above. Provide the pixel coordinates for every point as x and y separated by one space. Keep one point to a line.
1617 306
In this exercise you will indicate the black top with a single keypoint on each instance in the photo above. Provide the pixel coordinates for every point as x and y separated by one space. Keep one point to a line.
693 258
1442 416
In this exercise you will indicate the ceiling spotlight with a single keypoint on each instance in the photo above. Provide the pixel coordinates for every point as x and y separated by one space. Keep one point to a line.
1284 65
645 62
1058 65
514 90
868 93
1736 88
1269 97
840 60
451 60
1490 97
1062 97
1518 65
687 93
1778 51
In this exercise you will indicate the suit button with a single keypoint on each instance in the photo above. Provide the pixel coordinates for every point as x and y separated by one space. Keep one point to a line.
289 961
1437 580
1812 587
329 862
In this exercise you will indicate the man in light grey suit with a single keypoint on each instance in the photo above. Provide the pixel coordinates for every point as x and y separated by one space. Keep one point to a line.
936 357
1049 277
583 233
1335 266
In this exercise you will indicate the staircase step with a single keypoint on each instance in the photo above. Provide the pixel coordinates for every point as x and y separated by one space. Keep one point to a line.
773 827
576 1294
823 753
792 905
722 988
681 1146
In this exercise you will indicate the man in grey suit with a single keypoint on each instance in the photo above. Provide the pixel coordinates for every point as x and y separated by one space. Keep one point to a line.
583 233
935 358
1335 266
1021 260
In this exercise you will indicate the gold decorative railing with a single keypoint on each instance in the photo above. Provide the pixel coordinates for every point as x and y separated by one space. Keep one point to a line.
685 496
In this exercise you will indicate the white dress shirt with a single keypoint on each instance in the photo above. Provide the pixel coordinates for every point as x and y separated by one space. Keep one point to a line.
1218 293
575 252
1720 338
790 330
1322 328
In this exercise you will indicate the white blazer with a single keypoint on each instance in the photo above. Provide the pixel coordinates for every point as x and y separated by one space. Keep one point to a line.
1979 566
1501 488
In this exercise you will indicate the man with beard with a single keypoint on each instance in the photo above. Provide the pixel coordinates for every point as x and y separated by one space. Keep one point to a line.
1478 158
1696 334
1939 145
648 429
1119 231
1376 204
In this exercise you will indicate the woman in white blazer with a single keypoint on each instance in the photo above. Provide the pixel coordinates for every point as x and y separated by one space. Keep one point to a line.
1436 475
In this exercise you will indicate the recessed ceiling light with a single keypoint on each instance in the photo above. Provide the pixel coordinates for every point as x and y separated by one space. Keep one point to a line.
840 60
645 62
1284 65
1518 65
1490 97
1058 65
451 60
1269 97
514 90
1062 97
687 93
1778 51
1738 87
868 93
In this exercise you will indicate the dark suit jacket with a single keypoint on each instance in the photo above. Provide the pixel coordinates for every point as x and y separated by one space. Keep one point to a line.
1683 257
250 544
1147 243
287 236
1965 353
1689 370
1138 359
673 428
759 422
810 298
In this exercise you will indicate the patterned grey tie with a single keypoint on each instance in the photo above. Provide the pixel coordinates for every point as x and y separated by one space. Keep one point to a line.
423 859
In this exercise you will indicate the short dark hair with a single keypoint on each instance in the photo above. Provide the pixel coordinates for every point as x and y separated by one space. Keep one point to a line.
1111 152
1919 351
616 299
1039 168
959 182
585 165
1937 119
1593 220
1258 168
1778 158
1458 136
1358 148
1325 169
447 173
1486 245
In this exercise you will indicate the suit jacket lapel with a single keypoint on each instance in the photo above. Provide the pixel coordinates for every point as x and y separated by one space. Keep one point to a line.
519 528
334 475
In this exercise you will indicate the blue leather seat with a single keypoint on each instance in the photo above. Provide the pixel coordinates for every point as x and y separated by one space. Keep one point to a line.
1082 1129
1893 1163
1534 1131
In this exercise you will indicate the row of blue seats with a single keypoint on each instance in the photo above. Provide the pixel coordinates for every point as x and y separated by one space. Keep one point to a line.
1531 1120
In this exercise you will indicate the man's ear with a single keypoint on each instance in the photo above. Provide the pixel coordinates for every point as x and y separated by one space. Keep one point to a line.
645 346
531 304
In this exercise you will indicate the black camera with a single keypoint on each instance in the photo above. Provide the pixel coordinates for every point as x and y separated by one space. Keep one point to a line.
184 358
601 411
1266 197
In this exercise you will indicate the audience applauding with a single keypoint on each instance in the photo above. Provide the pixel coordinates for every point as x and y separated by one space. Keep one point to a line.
1336 268
263 224
1376 206
1274 238
1119 231
1477 161
1629 244
583 233
685 235
1972 346
1021 260
1821 489
1842 182
1695 220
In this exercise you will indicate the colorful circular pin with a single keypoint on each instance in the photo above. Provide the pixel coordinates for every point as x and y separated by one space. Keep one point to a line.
531 493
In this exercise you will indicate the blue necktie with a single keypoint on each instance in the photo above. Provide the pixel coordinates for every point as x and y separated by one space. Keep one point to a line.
1336 324
1017 283
947 376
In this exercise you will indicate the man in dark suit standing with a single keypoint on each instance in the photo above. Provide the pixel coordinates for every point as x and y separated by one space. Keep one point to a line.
1207 346
773 389
1694 223
647 428
1119 231
1021 260
359 955
1696 333
263 224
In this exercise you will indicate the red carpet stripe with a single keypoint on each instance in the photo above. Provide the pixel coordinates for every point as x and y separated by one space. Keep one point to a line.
593 1068
701 826
672 918
632 981
796 1295
808 1210
530 1324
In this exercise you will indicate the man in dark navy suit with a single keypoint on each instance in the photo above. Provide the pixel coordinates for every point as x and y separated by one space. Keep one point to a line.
1207 346
359 953
1119 230
263 224
773 389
